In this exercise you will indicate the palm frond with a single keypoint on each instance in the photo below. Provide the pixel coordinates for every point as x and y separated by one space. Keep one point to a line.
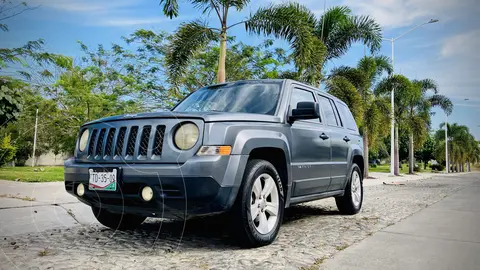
339 29
170 8
443 102
188 40
294 23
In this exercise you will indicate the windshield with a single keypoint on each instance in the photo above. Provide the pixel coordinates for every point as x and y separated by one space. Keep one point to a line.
260 98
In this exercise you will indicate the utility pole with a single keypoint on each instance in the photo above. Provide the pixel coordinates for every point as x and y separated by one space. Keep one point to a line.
447 163
35 138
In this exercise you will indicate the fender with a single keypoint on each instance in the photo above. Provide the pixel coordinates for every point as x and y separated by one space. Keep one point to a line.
356 151
248 140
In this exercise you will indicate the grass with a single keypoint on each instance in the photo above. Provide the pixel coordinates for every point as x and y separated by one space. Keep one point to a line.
32 174
44 252
385 168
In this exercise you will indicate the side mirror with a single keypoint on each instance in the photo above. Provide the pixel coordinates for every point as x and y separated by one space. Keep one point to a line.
305 110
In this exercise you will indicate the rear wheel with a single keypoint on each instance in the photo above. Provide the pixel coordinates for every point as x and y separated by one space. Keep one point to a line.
351 202
258 210
117 221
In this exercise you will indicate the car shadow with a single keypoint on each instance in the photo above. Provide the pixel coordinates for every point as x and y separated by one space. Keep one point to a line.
215 231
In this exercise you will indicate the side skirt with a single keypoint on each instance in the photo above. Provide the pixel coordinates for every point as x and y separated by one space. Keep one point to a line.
313 197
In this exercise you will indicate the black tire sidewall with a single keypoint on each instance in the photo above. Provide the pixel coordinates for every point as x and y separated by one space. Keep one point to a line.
254 169
348 190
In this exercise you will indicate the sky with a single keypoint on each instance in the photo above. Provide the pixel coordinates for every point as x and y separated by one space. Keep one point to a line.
445 51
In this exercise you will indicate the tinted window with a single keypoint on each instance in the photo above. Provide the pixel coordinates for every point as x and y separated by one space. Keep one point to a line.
261 98
299 95
339 119
328 111
347 117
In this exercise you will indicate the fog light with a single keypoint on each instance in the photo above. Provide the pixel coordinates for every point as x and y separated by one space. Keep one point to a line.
147 193
80 190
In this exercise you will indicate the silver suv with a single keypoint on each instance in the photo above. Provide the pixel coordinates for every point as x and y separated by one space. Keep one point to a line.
249 149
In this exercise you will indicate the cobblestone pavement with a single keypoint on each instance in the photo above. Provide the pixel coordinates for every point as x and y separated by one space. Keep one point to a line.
310 233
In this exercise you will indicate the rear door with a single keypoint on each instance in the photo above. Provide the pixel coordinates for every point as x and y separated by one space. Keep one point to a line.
310 153
339 143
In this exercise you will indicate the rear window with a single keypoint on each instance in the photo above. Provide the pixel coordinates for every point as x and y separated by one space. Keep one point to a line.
347 117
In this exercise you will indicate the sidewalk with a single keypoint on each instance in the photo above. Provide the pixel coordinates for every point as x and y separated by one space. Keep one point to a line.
445 235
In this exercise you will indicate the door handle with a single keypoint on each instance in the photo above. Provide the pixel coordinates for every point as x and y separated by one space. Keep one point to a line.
324 136
346 139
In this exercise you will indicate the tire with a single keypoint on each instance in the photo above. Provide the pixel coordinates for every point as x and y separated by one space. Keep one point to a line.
117 221
351 202
258 228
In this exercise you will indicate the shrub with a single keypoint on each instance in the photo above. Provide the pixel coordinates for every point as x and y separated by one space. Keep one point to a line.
7 150
437 167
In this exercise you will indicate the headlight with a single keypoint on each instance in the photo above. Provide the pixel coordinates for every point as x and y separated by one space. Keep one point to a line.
82 144
186 136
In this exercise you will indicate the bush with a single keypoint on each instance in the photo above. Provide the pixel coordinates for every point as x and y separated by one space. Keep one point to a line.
7 151
373 165
416 168
437 167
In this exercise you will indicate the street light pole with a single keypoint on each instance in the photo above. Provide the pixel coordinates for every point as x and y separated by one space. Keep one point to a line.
35 138
392 129
447 163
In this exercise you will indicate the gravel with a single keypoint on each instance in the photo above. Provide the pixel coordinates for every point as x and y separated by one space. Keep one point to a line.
310 233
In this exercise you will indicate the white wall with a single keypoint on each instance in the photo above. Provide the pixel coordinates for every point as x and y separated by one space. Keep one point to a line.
49 159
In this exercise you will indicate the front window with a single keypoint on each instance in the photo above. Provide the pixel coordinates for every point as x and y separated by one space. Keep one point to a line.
259 98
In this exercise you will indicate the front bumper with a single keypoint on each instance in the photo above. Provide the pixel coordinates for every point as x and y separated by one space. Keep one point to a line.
201 186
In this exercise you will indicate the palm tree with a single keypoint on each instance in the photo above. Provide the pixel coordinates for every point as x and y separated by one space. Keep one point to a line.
457 141
372 111
312 40
402 87
418 111
325 38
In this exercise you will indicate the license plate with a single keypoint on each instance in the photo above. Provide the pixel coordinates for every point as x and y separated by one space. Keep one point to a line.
103 179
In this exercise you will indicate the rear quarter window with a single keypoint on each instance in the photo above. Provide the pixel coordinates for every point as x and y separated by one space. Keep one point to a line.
347 117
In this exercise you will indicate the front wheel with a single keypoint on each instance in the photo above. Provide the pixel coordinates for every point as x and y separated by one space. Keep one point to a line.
258 210
351 202
117 221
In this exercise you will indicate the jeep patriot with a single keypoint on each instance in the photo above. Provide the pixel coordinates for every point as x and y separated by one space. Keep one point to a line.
249 149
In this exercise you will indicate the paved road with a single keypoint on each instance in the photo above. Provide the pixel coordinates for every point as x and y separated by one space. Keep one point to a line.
445 235
54 208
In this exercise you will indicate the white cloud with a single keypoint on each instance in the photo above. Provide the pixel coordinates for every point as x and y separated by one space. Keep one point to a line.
464 45
401 13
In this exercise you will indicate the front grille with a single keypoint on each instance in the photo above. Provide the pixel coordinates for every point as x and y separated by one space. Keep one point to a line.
158 141
144 140
99 148
131 141
124 142
109 145
120 142
91 145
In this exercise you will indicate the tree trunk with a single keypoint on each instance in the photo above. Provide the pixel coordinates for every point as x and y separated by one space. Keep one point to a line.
468 167
396 154
365 154
411 161
222 57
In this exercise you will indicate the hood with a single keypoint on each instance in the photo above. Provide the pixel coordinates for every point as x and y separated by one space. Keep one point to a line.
205 116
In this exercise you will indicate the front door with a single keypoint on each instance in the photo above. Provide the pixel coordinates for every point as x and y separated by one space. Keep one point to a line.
310 151
339 143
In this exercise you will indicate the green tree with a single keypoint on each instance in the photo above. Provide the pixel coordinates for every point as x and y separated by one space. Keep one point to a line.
427 152
245 62
312 40
459 140
10 103
354 87
7 150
